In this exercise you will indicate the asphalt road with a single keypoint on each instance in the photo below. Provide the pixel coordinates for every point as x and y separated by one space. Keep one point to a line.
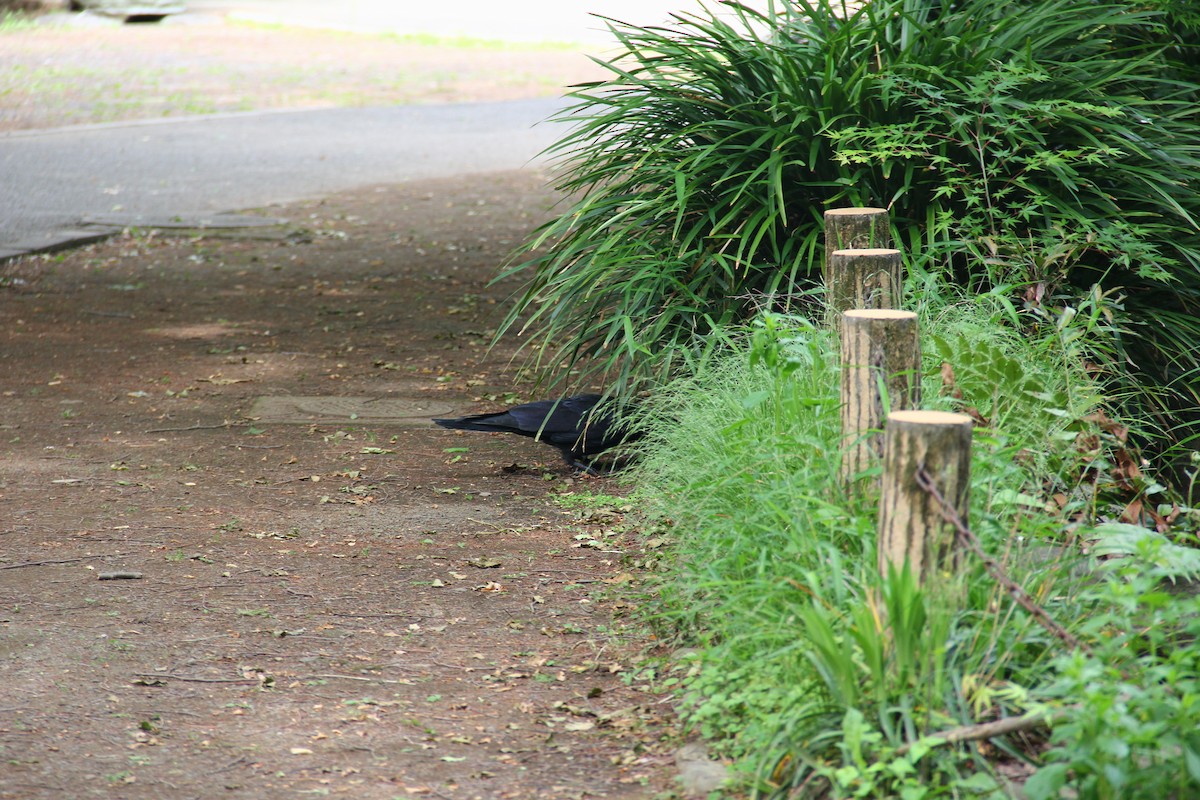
50 181
55 179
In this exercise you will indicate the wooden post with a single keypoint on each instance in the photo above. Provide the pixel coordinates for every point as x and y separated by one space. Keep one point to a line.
869 278
881 372
856 228
910 525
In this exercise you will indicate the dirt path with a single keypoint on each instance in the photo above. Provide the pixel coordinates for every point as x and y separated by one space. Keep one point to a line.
332 605
315 604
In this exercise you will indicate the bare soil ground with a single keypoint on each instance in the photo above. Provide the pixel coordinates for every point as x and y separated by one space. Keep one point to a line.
196 603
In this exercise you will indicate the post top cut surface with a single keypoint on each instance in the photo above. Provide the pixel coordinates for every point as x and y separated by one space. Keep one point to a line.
879 313
854 212
867 251
929 418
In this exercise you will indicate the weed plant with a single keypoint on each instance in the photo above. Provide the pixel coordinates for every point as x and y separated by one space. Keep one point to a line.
14 22
772 586
1047 146
1129 725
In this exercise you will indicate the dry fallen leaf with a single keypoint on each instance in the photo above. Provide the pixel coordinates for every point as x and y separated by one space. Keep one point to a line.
147 681
218 380
579 726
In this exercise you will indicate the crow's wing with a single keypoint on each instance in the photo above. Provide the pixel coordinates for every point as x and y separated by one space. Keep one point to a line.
568 424
549 418
553 420
502 422
583 432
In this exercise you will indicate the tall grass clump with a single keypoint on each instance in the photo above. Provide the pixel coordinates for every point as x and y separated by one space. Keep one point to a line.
1044 145
825 679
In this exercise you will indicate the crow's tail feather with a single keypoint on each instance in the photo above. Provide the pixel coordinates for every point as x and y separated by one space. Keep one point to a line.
471 424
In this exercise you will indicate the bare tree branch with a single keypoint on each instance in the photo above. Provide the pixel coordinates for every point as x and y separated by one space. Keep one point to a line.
968 538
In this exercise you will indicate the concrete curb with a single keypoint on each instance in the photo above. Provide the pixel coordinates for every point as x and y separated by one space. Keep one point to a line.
98 227
54 241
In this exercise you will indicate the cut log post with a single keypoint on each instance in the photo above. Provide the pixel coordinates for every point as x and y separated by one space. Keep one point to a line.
881 372
911 527
856 229
870 278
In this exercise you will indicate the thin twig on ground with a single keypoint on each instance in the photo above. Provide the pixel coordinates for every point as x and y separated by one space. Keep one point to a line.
44 563
191 428
186 679
353 678
991 730
967 537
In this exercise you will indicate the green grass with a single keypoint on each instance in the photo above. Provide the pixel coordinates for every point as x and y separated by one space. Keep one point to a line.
419 39
770 577
91 83
14 22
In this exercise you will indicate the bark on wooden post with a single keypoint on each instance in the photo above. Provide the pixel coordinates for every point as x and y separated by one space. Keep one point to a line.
856 228
910 525
881 372
868 278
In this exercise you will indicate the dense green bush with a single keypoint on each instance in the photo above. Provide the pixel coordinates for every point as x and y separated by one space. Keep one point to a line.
823 679
1040 163
1042 145
1129 708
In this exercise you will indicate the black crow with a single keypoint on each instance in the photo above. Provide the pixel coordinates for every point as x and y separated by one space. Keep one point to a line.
567 424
